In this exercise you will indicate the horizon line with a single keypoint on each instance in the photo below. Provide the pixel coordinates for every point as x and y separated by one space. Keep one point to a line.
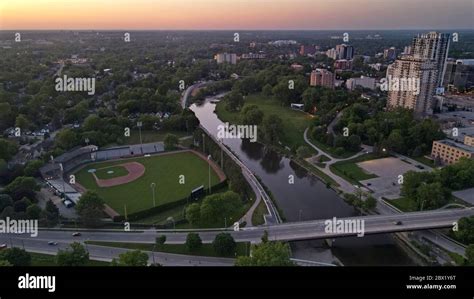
282 29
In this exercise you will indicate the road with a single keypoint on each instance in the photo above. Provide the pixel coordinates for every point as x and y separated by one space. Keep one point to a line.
102 253
433 236
315 229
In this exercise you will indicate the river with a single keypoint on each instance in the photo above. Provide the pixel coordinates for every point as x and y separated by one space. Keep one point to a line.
307 199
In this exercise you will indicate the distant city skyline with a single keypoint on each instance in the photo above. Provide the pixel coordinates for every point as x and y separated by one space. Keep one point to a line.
237 14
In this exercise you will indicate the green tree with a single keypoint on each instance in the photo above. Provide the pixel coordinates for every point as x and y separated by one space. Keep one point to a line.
75 255
193 242
370 203
89 208
5 201
465 232
134 258
224 244
16 257
470 255
50 215
22 187
215 208
267 90
267 254
7 149
252 115
22 122
90 199
67 139
272 129
5 263
430 196
171 141
193 213
303 152
33 211
32 168
234 101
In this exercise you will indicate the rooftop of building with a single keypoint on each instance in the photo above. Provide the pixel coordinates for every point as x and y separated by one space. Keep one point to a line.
461 146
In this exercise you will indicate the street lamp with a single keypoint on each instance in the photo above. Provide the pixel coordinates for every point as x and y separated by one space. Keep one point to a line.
152 186
171 219
203 147
422 203
209 163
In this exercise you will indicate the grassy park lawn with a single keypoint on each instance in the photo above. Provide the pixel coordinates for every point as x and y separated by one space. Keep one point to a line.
350 171
402 203
242 248
330 150
163 170
294 122
257 217
111 172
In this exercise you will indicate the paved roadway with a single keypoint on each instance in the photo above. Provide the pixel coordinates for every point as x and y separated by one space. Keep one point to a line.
101 253
314 229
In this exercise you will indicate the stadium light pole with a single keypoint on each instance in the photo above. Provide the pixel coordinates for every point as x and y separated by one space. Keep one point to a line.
209 163
152 186
139 125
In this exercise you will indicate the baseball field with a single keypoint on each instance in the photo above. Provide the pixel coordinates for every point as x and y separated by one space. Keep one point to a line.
129 182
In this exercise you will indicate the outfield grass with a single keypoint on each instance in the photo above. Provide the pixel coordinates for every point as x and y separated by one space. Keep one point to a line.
48 260
242 248
294 122
350 171
163 170
117 171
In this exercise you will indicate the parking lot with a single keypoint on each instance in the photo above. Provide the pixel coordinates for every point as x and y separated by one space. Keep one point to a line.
387 171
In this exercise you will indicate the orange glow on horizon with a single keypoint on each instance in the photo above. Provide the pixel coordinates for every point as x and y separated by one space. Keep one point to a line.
235 14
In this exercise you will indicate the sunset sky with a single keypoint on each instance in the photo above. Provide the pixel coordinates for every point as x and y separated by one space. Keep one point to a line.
236 14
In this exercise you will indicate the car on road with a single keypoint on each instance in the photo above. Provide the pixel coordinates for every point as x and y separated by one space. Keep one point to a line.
397 222
3 246
52 243
419 167
76 234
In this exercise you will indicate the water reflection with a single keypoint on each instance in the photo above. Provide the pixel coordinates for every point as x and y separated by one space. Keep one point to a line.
306 199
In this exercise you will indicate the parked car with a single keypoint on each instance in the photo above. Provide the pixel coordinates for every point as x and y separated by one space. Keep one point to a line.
3 246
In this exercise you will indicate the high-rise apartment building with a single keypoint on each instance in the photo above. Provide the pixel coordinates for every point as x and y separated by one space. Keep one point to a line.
345 51
412 84
322 77
425 65
433 46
